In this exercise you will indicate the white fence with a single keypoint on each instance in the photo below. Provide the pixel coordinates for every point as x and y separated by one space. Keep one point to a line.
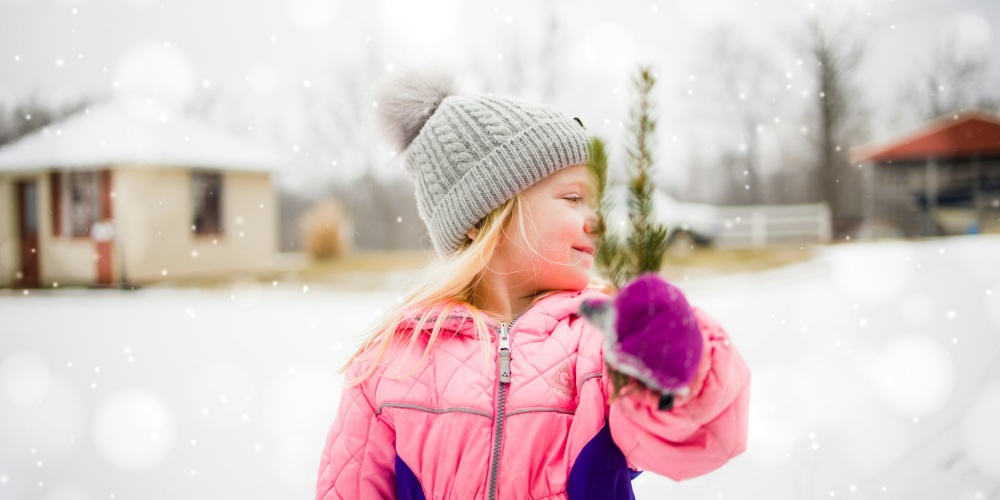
760 225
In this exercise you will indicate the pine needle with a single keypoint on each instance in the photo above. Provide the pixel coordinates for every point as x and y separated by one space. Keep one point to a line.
645 245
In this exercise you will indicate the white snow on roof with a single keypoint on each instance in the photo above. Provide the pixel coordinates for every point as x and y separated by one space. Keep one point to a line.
135 131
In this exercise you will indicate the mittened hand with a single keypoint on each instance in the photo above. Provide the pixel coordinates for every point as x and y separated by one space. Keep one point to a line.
651 334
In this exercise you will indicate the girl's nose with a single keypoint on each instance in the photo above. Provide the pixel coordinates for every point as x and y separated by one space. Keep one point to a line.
591 225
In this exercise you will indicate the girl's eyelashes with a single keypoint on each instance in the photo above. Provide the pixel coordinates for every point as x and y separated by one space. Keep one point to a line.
574 198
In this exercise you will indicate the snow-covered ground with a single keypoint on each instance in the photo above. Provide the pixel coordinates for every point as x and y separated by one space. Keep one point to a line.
876 375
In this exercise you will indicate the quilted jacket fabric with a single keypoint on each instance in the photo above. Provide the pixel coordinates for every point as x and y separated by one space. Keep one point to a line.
439 429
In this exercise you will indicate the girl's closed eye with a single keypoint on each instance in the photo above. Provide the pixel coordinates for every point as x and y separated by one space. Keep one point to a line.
574 198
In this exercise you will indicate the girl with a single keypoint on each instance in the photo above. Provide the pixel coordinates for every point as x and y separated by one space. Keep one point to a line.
486 382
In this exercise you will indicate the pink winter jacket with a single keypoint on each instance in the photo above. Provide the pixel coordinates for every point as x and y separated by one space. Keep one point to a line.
450 429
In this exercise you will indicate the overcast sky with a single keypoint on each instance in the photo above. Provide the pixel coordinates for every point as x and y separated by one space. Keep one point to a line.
49 46
80 45
63 49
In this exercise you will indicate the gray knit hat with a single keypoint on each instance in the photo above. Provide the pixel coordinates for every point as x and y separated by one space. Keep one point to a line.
469 154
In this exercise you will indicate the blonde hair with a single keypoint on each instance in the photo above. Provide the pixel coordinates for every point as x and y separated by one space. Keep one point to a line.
444 286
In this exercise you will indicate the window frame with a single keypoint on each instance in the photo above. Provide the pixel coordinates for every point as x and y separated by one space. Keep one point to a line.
67 223
200 182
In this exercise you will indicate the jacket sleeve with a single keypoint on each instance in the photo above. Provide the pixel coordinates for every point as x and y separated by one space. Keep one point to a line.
705 428
358 459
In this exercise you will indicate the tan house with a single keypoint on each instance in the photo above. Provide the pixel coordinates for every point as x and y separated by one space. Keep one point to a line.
131 192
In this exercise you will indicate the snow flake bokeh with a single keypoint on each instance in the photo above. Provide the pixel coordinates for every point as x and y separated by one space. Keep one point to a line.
294 415
874 373
913 375
24 378
67 492
874 273
39 410
311 15
979 430
991 305
785 406
968 37
423 24
133 429
875 365
156 68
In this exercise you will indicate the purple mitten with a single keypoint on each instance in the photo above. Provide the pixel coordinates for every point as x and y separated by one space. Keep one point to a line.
650 332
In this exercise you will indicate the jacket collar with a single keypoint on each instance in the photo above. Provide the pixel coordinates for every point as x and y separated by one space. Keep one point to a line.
539 317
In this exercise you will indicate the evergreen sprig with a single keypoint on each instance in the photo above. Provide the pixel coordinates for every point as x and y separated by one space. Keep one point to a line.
612 258
648 239
644 247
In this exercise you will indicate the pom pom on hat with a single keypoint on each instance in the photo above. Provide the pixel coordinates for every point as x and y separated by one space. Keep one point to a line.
406 99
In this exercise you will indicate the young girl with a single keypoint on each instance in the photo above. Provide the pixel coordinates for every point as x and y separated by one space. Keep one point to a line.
486 382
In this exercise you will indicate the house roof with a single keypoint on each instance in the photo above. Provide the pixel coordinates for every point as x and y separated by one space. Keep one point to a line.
965 135
139 132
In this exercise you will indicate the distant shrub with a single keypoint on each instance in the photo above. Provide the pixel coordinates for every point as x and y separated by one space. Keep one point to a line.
326 230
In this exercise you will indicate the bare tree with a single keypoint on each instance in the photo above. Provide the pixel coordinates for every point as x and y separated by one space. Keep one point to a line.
550 53
742 92
322 127
23 118
836 52
503 61
956 81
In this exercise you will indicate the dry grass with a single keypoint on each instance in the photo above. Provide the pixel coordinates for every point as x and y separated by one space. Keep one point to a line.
712 260
370 270
367 262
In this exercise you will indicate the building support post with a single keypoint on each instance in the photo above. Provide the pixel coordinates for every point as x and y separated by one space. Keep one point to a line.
930 197
868 197
977 193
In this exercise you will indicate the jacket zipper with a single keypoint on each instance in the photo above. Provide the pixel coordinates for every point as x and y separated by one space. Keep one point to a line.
504 376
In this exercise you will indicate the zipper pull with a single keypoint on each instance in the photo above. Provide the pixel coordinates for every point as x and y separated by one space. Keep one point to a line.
504 351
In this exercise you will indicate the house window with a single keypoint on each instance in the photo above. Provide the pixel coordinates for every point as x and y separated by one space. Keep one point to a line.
82 203
206 189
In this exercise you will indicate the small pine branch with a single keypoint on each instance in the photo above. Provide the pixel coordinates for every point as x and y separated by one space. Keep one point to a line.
612 258
648 239
598 166
615 260
644 247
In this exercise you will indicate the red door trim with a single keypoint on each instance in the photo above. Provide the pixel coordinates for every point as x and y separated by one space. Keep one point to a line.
30 275
105 249
56 198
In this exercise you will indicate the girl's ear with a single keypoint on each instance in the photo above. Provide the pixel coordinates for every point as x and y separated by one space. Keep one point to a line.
473 233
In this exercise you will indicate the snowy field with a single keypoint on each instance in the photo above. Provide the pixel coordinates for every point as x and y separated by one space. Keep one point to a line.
876 375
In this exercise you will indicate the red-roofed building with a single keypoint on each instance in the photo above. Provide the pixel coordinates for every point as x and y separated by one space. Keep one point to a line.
941 178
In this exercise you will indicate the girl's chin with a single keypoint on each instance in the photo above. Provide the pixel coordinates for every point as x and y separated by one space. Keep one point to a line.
568 283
